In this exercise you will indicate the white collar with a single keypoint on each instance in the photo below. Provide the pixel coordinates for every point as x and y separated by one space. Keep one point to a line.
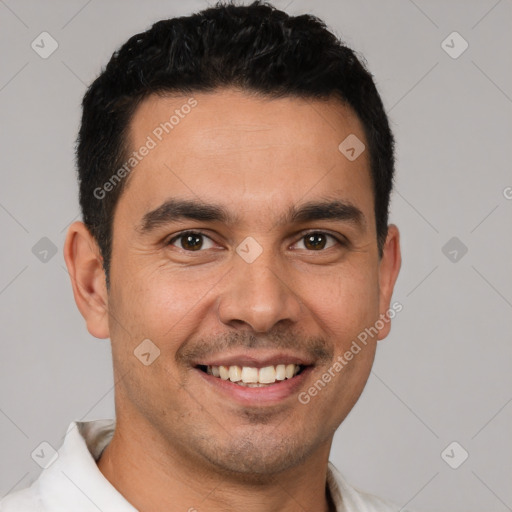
74 481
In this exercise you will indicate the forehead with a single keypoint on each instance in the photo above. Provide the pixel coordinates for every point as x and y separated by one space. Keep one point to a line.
249 151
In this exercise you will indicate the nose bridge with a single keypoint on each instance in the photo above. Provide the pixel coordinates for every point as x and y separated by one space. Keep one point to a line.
257 293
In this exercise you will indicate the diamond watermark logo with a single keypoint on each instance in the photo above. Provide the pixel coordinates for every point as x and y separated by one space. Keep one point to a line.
454 455
454 45
147 352
454 249
44 45
44 455
351 147
44 250
249 249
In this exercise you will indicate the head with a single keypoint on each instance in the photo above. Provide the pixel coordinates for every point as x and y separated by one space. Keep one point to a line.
225 221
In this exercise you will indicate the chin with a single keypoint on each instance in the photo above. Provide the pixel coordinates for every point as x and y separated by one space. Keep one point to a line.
259 458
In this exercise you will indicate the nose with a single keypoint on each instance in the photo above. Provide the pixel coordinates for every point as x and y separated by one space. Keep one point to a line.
259 295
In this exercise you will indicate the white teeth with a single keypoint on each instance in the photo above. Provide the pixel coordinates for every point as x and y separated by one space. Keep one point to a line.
280 372
289 370
223 372
267 375
235 373
254 377
249 374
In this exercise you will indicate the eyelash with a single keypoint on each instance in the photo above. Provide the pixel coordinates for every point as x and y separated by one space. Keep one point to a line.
339 241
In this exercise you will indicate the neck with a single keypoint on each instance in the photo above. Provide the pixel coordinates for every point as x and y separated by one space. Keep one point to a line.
152 475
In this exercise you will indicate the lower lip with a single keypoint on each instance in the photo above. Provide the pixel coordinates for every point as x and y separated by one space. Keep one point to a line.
269 394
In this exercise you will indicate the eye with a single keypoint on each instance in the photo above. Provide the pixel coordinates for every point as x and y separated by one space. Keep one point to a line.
317 241
192 241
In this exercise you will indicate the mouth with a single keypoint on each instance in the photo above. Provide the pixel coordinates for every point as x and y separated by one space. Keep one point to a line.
254 377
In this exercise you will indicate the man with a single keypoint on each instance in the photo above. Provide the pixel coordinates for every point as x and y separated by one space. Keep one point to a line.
235 169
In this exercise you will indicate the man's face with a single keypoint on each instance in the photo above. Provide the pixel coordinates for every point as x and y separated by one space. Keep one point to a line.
278 265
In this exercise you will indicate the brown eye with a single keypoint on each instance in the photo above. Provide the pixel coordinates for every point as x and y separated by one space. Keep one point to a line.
191 241
317 241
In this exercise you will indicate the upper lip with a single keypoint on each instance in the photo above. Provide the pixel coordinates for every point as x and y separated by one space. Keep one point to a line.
255 359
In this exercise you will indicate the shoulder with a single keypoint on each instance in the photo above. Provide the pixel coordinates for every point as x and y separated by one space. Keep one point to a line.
26 500
56 488
350 499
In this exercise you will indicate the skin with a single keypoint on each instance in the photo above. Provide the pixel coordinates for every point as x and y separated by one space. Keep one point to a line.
179 444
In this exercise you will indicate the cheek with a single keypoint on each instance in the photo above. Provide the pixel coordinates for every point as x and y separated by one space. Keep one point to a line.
164 303
345 302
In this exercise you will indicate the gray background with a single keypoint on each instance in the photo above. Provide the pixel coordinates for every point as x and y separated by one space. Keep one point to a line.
443 375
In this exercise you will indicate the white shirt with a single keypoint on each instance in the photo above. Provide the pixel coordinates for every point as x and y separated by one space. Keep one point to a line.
74 483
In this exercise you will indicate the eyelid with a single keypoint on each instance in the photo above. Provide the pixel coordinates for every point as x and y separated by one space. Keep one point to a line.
340 239
177 236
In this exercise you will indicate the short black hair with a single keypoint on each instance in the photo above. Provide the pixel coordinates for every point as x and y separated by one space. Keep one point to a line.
256 48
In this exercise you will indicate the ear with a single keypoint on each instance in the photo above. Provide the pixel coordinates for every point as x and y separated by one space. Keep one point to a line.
389 267
85 267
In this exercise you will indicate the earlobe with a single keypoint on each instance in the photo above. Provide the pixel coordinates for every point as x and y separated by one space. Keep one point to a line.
85 267
389 269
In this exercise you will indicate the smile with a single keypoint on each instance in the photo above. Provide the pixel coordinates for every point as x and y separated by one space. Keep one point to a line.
256 393
254 377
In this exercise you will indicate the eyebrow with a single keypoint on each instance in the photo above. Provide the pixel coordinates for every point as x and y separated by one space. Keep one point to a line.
174 210
327 210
